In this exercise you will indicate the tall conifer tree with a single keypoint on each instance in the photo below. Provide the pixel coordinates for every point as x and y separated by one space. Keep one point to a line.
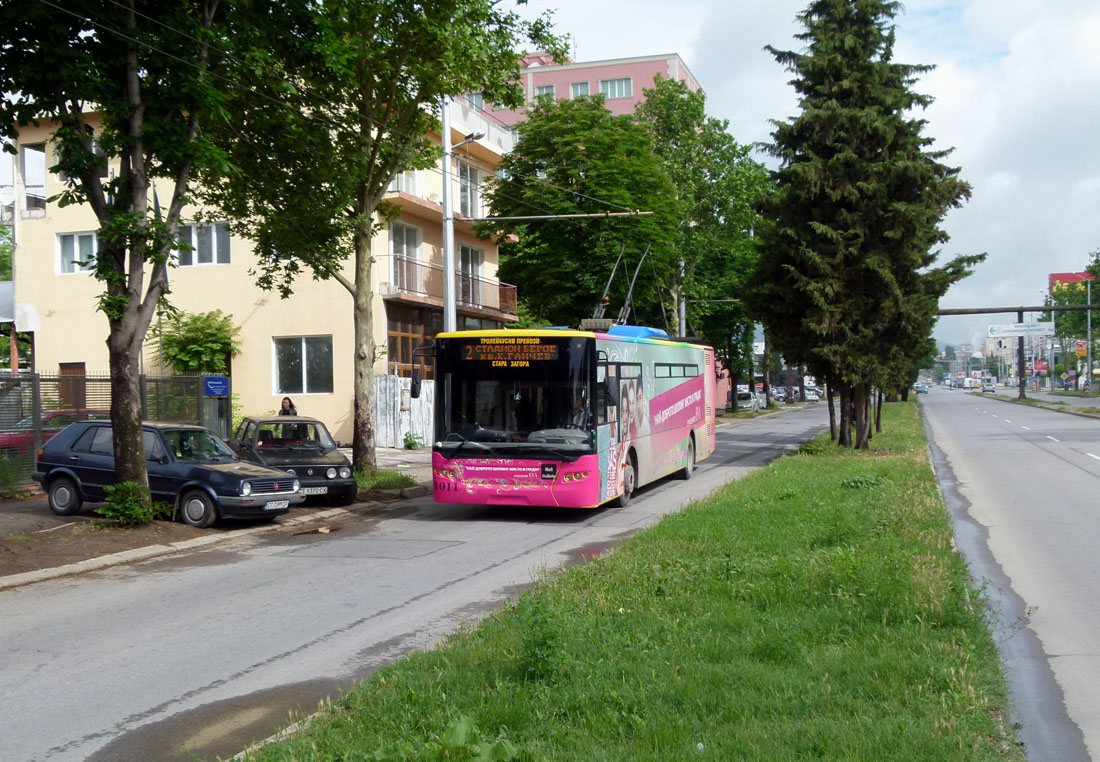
845 283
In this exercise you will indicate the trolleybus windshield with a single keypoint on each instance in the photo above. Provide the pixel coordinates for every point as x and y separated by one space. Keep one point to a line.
515 396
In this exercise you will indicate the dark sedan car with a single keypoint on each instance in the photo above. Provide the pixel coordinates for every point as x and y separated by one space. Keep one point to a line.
300 446
189 468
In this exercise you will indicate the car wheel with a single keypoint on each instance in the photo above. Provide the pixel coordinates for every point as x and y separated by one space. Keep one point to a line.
630 483
64 496
197 509
689 469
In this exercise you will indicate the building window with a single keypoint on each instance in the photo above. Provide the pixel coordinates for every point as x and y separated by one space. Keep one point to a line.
303 364
404 253
77 252
477 100
469 270
541 90
34 177
616 88
406 182
206 244
410 328
578 90
62 177
469 189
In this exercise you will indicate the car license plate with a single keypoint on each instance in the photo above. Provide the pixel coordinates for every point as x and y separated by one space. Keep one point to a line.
314 490
274 505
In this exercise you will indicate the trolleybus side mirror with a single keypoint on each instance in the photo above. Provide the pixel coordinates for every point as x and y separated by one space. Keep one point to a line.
414 389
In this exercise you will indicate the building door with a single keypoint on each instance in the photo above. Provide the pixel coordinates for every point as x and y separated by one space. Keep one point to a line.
71 390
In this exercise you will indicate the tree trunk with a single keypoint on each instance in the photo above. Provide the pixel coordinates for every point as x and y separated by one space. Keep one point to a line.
363 439
878 415
767 373
832 411
844 435
126 409
860 403
801 383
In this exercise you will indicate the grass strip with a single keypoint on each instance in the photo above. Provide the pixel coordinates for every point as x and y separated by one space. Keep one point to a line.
814 610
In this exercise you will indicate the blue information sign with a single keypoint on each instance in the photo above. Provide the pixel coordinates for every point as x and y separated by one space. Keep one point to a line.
216 386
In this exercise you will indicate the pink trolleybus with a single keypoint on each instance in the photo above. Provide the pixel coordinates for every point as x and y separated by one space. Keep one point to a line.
567 418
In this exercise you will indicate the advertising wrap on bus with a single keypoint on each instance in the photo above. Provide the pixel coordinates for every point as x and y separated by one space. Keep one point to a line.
566 418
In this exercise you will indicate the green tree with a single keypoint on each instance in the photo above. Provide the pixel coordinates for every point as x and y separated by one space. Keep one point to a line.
719 187
845 283
311 161
203 342
145 70
575 157
5 252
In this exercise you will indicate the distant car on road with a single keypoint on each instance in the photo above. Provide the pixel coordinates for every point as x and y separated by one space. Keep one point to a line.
19 439
748 401
988 385
300 446
812 396
920 388
188 466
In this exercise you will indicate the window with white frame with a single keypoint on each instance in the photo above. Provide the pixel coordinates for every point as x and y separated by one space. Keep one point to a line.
404 253
578 90
406 182
470 261
469 189
477 100
541 90
205 244
33 157
303 364
616 88
76 252
62 177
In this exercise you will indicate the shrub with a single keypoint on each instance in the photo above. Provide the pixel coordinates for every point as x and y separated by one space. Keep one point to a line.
129 504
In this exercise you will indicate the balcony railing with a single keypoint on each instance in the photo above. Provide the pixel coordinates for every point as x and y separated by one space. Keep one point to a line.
410 276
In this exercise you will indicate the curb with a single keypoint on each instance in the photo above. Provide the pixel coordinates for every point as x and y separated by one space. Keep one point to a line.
156 551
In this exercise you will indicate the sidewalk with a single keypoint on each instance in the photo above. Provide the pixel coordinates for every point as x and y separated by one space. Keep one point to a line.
31 534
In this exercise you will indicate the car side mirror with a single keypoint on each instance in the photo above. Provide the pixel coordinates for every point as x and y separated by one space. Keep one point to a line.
414 390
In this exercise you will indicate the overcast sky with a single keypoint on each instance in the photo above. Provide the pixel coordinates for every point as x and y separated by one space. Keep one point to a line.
1016 89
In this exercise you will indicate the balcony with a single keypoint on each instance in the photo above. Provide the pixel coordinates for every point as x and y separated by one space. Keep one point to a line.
420 282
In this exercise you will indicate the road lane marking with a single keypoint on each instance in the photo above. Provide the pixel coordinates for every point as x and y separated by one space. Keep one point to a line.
1026 428
1007 421
1094 457
1052 439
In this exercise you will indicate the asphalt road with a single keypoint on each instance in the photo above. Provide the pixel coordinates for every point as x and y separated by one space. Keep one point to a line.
1022 484
204 654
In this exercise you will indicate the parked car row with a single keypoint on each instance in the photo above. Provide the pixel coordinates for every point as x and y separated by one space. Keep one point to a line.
268 466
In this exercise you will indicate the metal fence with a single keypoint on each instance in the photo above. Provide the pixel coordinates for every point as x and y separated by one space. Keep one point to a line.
34 407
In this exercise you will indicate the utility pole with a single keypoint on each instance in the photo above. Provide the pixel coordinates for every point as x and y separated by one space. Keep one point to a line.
1088 323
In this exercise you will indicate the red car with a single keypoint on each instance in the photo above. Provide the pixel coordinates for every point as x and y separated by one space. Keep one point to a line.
19 440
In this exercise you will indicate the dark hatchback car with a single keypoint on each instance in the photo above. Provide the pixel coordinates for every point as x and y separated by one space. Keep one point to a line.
300 446
189 468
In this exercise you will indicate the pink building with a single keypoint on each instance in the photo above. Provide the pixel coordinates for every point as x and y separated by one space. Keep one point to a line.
621 80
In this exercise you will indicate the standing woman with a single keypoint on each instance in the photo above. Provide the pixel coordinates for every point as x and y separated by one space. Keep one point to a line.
288 407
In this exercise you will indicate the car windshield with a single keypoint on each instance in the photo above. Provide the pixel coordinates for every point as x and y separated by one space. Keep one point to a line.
293 436
196 444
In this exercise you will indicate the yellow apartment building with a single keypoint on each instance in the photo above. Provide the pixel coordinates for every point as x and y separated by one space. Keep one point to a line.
301 347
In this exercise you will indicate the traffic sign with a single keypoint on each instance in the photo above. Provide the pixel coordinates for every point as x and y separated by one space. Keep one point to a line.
1021 329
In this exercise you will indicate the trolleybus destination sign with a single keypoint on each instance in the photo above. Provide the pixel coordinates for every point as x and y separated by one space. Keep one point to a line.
510 351
1011 330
